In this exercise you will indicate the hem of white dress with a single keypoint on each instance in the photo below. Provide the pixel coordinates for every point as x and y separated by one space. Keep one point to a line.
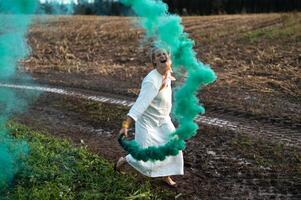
153 175
171 174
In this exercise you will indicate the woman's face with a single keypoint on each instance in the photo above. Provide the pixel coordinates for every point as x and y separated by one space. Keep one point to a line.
162 60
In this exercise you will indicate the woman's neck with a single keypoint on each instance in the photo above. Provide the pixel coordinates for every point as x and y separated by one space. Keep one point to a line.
161 71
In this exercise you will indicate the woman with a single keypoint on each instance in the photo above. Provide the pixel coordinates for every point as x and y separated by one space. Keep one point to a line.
153 125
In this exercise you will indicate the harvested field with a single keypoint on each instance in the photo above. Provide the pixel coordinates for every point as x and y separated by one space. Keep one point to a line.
258 62
256 58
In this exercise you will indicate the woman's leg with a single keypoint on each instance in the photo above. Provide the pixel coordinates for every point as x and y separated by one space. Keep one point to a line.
121 161
169 181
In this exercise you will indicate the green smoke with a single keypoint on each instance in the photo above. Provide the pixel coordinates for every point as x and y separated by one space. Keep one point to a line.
14 22
167 30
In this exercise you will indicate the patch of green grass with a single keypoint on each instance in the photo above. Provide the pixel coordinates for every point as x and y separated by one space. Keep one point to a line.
55 169
289 28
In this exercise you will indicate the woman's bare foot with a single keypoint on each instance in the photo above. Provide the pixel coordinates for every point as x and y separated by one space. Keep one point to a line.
169 181
121 161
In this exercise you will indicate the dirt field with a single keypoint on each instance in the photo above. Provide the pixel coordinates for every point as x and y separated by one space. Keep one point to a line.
257 59
258 62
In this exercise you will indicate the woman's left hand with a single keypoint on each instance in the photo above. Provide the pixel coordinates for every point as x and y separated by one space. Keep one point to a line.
123 131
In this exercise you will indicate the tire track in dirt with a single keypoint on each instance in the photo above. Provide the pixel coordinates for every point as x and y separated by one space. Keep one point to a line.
291 139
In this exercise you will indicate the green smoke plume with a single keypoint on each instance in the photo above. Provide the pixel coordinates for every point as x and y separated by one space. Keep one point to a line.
14 22
167 29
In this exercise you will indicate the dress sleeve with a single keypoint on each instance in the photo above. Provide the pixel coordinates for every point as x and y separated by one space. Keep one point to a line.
147 93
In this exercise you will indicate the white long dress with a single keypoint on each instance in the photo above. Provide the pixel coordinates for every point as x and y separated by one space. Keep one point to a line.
153 126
